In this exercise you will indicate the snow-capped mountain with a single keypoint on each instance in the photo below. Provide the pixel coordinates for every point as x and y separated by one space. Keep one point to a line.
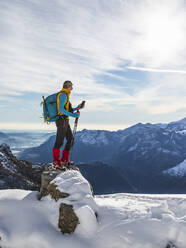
142 151
90 145
177 125
151 146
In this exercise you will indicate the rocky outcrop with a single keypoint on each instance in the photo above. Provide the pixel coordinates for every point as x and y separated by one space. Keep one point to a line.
55 193
68 220
72 194
16 173
46 178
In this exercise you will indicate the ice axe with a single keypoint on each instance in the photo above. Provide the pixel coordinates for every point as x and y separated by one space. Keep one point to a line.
75 127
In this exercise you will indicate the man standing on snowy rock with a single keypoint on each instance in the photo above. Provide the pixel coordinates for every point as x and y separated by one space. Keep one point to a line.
65 110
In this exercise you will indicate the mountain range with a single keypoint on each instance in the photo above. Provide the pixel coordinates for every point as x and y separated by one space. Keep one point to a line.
147 155
148 146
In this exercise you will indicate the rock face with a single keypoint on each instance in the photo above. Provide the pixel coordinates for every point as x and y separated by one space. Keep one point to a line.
16 173
71 193
68 220
55 193
46 178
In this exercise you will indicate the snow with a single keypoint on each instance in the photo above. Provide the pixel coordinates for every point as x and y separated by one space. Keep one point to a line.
88 221
93 137
13 194
179 170
80 196
73 183
141 220
124 221
132 148
5 161
165 133
181 132
160 149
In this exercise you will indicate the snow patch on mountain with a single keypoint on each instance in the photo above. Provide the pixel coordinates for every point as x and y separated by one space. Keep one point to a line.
181 132
163 150
93 137
132 148
177 125
179 170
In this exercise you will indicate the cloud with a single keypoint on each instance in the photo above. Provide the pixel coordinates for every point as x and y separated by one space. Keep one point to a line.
155 70
52 127
165 94
44 43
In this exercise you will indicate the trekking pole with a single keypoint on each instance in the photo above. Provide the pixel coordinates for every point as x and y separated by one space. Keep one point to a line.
75 127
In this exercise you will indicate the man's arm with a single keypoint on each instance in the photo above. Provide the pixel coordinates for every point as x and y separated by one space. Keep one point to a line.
62 100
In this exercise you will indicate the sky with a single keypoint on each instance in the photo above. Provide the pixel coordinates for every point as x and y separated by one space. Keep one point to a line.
126 59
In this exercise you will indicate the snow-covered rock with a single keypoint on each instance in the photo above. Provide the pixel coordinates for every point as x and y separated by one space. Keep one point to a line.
74 201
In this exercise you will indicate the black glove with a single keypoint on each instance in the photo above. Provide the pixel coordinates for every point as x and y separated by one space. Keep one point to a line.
81 105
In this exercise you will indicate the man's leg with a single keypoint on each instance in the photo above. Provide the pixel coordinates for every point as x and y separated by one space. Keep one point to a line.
60 135
69 144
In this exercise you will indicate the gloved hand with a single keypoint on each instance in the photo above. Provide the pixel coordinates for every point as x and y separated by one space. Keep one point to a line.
81 105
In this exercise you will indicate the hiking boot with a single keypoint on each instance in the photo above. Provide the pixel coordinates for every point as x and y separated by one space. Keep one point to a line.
70 165
57 165
62 168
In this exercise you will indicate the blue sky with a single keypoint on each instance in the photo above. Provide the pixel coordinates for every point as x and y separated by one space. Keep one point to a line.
126 58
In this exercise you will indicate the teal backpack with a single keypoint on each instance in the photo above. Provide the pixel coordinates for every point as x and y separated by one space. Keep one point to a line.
50 108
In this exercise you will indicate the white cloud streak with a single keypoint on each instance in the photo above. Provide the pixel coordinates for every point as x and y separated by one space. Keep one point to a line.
155 70
52 127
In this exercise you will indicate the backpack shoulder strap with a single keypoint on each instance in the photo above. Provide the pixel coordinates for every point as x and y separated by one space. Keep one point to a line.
58 99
